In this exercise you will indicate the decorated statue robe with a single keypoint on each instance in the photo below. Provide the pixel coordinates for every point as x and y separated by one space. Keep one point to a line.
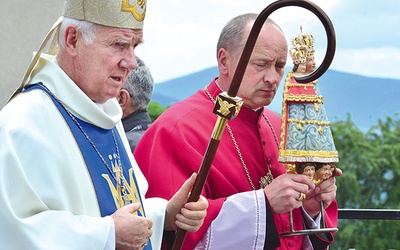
305 133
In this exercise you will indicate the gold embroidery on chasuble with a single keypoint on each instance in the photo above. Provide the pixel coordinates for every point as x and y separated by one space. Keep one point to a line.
132 191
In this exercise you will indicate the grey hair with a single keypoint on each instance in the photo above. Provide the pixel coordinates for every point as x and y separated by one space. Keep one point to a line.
140 86
87 29
232 35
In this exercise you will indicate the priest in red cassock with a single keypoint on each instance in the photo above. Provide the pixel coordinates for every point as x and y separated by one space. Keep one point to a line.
248 189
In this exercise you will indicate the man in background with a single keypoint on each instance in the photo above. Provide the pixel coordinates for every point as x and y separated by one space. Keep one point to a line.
134 98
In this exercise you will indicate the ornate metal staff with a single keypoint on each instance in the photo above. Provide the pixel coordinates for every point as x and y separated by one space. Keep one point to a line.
228 105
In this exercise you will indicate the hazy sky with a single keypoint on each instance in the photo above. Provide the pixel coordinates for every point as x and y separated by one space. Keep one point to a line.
181 36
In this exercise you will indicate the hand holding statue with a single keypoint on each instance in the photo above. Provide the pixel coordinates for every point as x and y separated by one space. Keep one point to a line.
285 191
325 192
307 146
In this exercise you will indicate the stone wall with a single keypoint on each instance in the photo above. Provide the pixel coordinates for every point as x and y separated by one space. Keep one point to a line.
23 26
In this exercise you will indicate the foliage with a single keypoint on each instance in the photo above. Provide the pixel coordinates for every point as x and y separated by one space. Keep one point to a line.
371 179
155 110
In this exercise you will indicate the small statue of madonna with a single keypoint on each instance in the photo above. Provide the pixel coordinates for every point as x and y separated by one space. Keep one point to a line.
306 137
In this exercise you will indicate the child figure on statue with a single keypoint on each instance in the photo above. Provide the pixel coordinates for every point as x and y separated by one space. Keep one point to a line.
306 137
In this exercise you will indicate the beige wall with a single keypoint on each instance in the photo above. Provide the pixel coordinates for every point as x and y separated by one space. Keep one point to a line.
23 26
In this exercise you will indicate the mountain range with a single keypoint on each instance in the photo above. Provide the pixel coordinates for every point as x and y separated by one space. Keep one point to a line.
365 99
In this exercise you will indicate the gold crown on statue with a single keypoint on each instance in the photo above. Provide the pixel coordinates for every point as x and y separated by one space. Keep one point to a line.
127 14
303 46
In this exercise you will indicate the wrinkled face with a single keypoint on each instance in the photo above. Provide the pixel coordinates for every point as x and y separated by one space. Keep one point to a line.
101 68
310 64
265 68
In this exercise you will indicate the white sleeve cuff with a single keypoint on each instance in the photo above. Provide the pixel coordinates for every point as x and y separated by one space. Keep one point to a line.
110 244
240 224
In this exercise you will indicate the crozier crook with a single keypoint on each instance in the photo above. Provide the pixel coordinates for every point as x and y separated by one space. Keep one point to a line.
228 105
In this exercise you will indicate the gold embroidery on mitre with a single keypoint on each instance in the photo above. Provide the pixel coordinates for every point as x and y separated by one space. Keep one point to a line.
132 8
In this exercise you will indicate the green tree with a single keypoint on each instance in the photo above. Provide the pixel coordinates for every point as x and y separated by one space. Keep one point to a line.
155 110
371 176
